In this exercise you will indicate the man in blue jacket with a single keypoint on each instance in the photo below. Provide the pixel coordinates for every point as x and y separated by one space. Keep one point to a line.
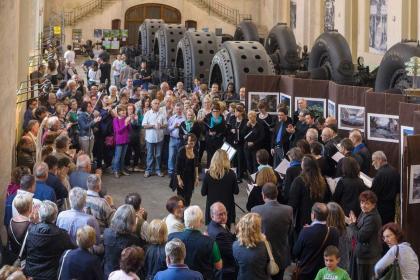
175 254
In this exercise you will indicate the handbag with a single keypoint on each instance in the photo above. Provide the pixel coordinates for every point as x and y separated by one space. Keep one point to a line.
109 141
394 272
173 183
296 272
272 267
19 262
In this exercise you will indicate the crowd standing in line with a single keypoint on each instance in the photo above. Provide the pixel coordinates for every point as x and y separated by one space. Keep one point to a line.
62 224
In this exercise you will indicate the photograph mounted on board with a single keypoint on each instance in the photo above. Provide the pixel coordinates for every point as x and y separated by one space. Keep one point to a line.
405 131
318 106
331 109
287 101
271 98
378 21
414 191
97 33
383 128
351 117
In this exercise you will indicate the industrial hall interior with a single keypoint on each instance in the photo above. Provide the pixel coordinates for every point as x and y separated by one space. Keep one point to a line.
210 139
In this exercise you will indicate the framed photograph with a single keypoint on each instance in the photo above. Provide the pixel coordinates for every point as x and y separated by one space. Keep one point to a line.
318 106
97 33
271 98
378 21
405 131
286 100
383 128
414 191
351 117
331 109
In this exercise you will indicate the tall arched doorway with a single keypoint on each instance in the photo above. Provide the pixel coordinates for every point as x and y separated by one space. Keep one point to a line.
135 15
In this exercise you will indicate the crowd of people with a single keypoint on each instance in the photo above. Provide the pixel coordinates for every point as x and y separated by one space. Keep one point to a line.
318 218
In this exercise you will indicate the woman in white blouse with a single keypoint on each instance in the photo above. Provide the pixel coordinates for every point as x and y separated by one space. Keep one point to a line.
407 258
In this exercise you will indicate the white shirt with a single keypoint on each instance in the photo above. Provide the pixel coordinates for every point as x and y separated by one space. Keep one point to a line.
116 66
151 117
121 275
94 76
69 56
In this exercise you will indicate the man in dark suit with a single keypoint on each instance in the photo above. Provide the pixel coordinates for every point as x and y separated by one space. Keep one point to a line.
280 139
330 139
386 186
312 241
276 224
218 230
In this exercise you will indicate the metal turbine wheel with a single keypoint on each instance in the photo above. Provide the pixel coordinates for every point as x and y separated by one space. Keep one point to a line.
193 57
237 59
147 32
164 49
282 48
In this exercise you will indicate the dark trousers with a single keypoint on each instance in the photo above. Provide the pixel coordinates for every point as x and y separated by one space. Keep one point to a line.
239 161
101 152
251 160
165 150
133 152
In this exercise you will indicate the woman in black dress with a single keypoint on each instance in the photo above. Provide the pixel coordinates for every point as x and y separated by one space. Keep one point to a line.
190 125
215 131
254 140
187 169
219 185
268 122
236 125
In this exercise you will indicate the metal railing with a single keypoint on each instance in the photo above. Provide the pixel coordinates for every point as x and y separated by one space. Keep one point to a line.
217 8
70 17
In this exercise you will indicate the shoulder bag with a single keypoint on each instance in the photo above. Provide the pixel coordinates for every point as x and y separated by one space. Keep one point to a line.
19 262
272 267
394 271
297 270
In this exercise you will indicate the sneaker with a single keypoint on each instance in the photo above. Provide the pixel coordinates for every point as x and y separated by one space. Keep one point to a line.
125 173
146 174
160 174
116 175
138 169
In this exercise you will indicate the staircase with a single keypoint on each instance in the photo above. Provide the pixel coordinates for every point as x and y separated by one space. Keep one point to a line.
86 9
226 13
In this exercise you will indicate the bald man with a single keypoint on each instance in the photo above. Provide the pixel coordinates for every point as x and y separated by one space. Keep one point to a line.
219 231
361 149
330 121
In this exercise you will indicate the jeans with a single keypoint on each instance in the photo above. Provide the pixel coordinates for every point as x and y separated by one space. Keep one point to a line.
174 144
154 155
117 81
119 157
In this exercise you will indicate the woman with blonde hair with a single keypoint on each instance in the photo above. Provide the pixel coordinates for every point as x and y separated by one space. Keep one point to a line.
219 184
155 259
336 218
249 250
190 125
254 138
265 175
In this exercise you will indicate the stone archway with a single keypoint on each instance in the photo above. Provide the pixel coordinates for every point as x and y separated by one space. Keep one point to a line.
135 16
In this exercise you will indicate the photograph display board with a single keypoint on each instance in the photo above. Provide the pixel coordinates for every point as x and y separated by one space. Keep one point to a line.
351 117
318 106
287 101
381 127
331 109
378 21
271 99
414 186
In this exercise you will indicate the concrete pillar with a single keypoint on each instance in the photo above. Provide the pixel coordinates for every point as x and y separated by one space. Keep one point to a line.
9 27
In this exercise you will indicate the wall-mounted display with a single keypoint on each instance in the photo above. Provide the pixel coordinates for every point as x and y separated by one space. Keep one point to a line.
293 14
271 98
378 19
318 106
287 101
383 127
331 109
351 117
97 33
414 191
329 15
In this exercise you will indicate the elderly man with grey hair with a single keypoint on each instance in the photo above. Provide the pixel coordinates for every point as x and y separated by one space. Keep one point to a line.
78 177
386 186
203 253
311 135
102 208
45 244
175 252
42 190
75 218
